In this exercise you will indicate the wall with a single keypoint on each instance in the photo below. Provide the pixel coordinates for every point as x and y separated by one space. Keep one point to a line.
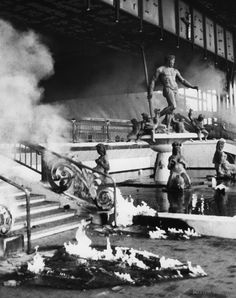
127 160
93 81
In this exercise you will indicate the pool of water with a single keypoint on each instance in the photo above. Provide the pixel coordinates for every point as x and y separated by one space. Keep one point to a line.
200 199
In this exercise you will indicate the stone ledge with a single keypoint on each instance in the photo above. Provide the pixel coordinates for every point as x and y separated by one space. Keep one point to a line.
208 225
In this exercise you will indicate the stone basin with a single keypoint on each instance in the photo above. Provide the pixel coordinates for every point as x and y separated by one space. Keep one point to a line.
162 144
163 141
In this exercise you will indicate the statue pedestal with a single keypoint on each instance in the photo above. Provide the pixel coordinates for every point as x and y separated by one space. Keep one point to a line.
162 143
11 244
161 172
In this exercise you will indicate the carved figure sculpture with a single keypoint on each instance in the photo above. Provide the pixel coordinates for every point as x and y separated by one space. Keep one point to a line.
223 168
198 125
178 125
133 135
158 127
146 125
178 179
168 75
102 161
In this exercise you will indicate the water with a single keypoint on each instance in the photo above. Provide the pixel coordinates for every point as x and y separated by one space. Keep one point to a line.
201 199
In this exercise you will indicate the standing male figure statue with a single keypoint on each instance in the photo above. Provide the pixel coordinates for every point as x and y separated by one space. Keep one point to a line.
168 75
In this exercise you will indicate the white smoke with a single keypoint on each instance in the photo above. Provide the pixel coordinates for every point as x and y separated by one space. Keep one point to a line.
24 62
205 75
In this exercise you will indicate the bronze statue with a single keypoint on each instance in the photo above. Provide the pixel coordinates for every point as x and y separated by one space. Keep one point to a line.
102 161
136 126
168 75
198 125
178 179
158 127
223 168
178 125
146 125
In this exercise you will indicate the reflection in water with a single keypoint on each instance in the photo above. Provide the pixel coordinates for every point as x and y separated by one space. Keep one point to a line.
179 201
198 200
206 201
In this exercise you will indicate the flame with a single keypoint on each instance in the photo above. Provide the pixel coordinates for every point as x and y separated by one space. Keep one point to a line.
169 263
158 234
126 256
196 271
125 209
83 246
125 276
38 264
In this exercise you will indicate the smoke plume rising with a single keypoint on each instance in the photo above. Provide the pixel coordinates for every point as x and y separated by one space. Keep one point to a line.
25 61
205 75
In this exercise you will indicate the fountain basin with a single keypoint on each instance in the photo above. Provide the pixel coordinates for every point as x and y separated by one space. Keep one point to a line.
162 144
210 225
163 141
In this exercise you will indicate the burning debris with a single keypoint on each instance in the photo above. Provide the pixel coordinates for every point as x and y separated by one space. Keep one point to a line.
158 234
126 210
173 233
80 266
38 264
142 218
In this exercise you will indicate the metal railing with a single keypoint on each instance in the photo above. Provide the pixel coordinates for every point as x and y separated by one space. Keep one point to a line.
29 156
42 151
99 130
28 219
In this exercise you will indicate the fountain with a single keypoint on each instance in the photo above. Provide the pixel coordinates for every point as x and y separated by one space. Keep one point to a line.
162 144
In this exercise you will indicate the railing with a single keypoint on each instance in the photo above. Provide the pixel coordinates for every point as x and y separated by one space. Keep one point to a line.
28 220
29 156
45 170
99 130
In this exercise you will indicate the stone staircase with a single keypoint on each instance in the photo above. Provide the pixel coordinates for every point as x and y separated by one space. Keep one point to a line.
47 218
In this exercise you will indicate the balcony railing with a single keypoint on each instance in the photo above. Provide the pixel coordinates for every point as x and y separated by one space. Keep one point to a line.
99 130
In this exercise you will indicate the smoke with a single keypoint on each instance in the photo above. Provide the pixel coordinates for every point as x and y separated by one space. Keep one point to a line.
25 61
205 75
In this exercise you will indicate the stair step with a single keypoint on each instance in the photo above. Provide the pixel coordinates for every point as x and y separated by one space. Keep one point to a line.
9 190
38 208
55 230
34 198
16 194
43 218
52 228
42 214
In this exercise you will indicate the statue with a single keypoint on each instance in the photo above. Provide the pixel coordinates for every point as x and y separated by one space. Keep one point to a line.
158 127
198 125
102 162
152 126
146 126
133 135
168 75
178 179
223 168
178 125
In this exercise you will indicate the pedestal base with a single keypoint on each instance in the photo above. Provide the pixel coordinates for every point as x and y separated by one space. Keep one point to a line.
161 172
103 218
11 244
